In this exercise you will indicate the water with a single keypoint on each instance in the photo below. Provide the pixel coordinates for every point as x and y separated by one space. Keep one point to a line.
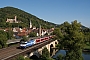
86 55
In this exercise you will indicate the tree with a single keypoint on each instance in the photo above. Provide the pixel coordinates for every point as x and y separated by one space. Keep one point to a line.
72 40
10 34
22 58
60 57
32 34
3 39
59 36
24 38
46 54
58 33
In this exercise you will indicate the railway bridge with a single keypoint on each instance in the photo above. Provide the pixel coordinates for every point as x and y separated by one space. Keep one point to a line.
36 50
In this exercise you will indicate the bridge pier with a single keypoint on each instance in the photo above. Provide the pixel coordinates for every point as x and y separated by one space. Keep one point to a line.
38 52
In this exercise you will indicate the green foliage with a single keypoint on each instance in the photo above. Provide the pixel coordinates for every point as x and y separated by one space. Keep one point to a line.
74 55
72 39
32 34
10 34
20 58
24 17
45 54
24 38
58 33
3 39
86 32
60 57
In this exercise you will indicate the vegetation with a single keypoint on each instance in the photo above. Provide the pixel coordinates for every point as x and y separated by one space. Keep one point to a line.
71 38
3 39
24 17
86 32
24 38
22 58
32 34
60 57
10 34
46 54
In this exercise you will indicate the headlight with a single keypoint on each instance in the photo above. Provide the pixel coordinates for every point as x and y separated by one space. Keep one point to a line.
22 44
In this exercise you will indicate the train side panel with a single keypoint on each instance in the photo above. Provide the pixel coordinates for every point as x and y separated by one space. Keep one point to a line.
30 43
35 41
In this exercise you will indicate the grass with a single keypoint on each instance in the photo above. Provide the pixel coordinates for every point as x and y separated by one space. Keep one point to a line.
87 45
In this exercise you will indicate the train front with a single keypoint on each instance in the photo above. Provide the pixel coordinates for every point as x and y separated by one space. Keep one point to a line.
23 44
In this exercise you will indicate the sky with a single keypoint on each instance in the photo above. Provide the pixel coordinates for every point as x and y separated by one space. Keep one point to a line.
55 11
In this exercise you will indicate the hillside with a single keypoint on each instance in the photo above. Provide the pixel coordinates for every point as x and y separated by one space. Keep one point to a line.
10 12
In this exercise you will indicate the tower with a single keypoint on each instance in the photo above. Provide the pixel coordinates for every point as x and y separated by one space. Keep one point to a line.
30 24
40 31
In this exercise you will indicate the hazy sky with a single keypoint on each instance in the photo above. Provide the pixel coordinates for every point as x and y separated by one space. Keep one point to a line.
56 11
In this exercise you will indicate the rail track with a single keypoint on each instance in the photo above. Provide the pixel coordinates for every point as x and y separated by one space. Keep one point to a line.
12 51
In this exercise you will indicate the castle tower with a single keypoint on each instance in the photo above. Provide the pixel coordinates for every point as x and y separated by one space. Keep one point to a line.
30 25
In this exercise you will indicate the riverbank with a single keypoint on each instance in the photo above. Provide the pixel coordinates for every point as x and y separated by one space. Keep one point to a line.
86 55
86 50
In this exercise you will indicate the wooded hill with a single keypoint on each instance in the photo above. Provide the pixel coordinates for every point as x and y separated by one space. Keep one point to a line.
24 17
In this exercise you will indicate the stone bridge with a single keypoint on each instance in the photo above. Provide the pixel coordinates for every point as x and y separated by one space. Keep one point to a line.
38 52
35 50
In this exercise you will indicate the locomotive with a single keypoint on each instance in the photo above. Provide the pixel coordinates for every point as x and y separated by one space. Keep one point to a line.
34 41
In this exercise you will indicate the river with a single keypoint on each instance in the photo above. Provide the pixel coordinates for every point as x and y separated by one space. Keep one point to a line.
86 55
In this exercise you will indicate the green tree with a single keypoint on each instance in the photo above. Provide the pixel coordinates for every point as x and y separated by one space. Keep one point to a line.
20 58
10 34
32 34
60 57
46 54
58 36
24 38
72 40
3 39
